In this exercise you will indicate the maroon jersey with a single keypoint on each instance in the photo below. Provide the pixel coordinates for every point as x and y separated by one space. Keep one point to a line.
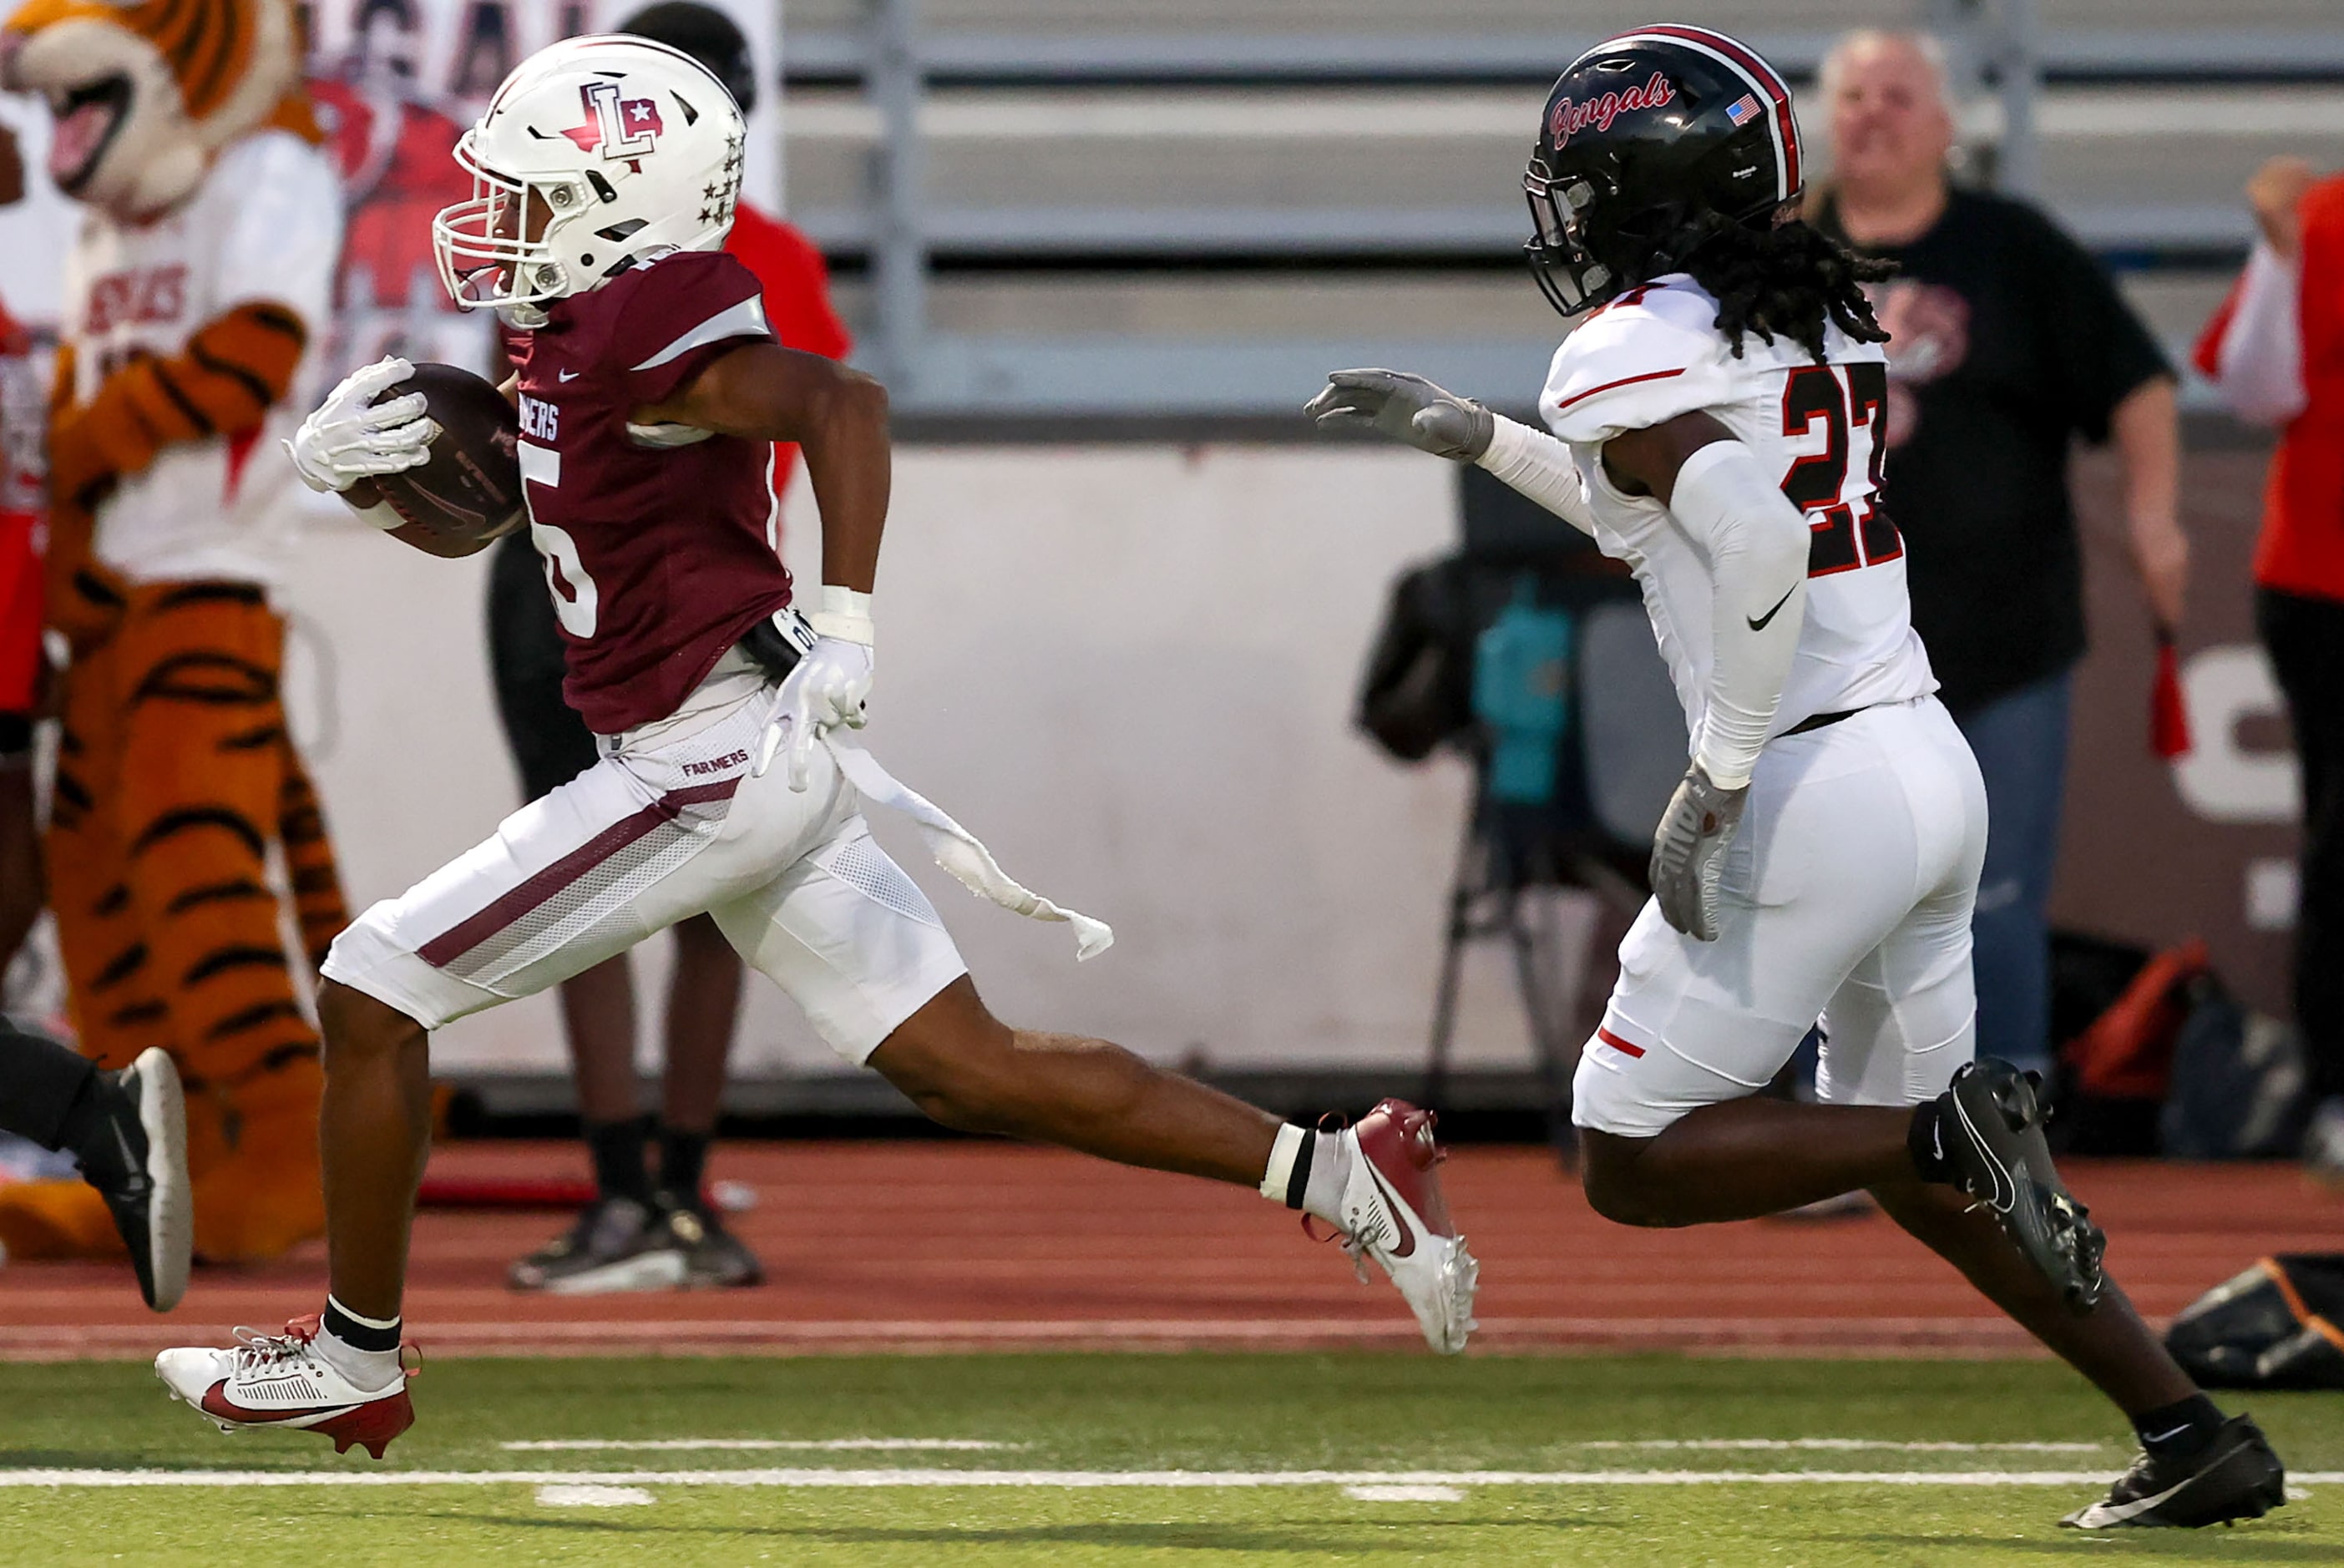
658 555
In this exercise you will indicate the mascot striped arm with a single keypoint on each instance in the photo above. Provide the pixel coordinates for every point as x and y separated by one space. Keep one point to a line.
202 272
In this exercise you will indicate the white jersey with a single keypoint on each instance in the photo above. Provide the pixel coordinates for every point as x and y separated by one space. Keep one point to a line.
264 228
1655 352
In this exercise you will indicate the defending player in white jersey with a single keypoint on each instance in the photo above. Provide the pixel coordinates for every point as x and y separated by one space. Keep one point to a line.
651 390
1717 425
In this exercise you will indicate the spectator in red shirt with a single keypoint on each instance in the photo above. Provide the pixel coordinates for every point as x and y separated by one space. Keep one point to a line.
2276 351
641 1232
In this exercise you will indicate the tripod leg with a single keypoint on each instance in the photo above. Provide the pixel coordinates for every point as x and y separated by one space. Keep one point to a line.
1546 1042
1461 894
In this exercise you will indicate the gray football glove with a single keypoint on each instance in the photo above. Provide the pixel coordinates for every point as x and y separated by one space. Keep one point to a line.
1689 852
1407 408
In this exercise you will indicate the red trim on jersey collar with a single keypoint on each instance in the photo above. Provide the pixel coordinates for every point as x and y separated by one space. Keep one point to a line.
1786 125
1622 382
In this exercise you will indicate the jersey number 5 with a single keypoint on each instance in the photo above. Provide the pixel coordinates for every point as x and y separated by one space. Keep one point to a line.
1842 537
576 603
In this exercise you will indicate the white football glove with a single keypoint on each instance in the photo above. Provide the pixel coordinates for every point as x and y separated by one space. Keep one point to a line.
1689 852
825 691
351 437
1404 408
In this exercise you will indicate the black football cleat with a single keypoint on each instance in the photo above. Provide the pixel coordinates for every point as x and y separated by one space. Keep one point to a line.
2237 1476
712 1256
1992 1124
136 1157
617 1245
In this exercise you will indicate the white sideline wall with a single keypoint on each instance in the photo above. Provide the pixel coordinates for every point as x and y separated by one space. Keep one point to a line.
1130 669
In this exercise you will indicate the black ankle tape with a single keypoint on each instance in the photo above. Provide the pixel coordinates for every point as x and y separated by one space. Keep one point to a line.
2181 1430
356 1335
1923 1140
1297 1180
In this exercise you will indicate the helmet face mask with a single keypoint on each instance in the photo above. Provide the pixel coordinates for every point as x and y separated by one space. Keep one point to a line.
1572 279
488 255
595 156
1625 182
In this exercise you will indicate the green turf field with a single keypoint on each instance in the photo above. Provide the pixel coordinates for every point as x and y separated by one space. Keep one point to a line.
1500 1461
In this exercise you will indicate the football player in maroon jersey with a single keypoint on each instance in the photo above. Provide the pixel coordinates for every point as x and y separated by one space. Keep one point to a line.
647 1229
648 388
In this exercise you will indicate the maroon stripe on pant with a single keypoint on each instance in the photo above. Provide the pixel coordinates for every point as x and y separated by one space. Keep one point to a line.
469 933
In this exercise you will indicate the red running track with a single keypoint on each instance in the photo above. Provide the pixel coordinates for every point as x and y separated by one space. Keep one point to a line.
960 1246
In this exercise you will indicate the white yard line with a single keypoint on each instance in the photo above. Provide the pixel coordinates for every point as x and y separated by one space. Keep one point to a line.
795 1445
593 1496
982 1445
1067 1480
1837 1445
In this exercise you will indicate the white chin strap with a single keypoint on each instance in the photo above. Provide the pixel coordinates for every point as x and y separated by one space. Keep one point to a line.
958 851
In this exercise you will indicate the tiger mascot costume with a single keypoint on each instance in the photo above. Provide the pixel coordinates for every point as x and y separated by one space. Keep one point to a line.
203 268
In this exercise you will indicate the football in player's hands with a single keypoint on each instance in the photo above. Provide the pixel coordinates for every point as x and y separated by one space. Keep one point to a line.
469 491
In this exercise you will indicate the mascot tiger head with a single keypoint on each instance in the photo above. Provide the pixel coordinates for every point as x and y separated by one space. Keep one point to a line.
147 93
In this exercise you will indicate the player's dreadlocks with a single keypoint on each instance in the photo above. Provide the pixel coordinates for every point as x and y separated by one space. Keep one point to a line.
1784 282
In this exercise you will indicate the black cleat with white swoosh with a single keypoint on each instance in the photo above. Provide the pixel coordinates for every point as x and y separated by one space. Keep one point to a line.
1992 1124
136 1157
2236 1476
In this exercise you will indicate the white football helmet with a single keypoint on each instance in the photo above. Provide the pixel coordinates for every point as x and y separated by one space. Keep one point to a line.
615 148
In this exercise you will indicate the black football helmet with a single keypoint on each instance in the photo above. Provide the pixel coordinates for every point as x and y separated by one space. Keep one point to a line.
1649 138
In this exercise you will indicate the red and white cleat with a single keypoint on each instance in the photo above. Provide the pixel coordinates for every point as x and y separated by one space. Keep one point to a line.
280 1380
1394 1213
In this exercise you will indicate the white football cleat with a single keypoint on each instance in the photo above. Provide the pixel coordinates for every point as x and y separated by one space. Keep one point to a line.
1394 1213
279 1380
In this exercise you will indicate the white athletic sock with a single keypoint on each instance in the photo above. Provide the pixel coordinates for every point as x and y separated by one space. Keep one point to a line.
1288 1147
1330 1172
1307 1170
368 1368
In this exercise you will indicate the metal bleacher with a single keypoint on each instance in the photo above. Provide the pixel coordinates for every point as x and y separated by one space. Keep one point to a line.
1094 212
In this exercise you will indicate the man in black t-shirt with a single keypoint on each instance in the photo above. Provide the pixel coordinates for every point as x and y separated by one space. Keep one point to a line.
2008 342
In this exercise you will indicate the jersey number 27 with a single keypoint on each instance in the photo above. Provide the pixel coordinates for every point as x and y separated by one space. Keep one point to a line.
1845 397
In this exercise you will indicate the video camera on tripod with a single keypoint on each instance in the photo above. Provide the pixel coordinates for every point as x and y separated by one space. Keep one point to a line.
1529 653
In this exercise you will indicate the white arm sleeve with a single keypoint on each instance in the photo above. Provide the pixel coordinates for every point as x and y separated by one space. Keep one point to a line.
1757 545
1540 467
2261 357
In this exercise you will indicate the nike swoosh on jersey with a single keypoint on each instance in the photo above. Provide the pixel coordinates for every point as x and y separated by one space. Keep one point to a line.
1760 622
565 375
